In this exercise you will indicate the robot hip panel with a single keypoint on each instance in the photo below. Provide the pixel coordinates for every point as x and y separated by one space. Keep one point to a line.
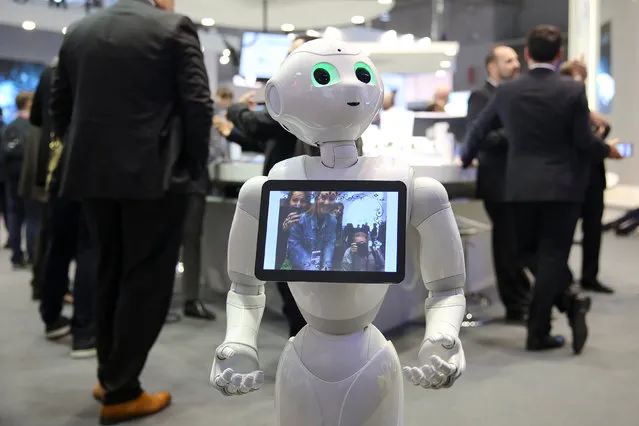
371 397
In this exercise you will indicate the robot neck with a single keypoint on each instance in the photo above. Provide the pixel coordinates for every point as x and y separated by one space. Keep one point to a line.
338 155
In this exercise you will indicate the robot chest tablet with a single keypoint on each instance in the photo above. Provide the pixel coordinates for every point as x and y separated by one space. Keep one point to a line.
343 231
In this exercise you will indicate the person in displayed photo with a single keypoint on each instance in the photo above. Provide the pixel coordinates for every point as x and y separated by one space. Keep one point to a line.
361 257
311 242
291 210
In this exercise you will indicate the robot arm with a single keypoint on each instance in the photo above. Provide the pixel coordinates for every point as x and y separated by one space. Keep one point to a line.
235 366
443 271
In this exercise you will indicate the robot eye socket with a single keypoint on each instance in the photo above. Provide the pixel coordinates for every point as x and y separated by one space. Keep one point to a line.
324 74
364 73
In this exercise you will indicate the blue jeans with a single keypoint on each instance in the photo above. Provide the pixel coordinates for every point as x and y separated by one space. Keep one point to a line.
21 212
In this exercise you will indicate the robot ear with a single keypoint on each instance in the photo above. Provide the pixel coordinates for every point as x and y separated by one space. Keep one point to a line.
273 100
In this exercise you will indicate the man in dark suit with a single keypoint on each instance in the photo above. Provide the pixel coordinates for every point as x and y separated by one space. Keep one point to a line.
550 147
502 64
131 100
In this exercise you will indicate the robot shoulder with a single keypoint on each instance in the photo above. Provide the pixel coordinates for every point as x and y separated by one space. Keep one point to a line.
429 197
291 168
250 196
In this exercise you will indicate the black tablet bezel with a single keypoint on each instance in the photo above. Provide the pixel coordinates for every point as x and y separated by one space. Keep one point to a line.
333 276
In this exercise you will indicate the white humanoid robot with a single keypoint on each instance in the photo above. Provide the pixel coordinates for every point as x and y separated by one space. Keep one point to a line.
339 370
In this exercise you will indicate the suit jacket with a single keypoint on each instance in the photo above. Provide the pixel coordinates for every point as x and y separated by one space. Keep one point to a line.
550 143
41 118
493 152
131 100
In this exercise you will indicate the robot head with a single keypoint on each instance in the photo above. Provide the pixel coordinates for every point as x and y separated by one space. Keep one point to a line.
325 91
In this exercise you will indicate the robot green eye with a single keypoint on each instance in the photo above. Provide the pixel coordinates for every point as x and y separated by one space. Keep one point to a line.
324 74
364 73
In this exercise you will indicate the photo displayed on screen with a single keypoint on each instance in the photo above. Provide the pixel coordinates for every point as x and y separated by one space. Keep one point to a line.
332 231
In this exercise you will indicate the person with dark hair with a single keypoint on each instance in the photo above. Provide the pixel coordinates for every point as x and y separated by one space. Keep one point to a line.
550 149
311 242
502 65
21 210
593 206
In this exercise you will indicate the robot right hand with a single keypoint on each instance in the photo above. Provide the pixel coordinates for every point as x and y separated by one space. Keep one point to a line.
236 369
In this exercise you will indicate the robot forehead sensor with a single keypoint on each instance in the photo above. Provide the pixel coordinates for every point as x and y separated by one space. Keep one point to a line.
369 216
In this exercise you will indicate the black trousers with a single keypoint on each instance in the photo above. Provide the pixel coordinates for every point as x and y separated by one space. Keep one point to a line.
591 215
290 310
549 227
138 245
4 211
192 246
512 282
39 260
69 239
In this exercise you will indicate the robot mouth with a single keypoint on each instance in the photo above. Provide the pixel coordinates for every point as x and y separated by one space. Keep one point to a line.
352 103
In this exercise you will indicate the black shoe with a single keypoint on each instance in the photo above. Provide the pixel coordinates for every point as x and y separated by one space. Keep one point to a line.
19 266
59 328
576 313
596 287
196 309
545 343
83 347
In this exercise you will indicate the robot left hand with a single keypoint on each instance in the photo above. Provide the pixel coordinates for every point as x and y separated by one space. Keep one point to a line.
443 362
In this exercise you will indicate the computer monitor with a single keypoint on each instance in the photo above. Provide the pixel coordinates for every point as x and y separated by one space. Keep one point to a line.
262 54
332 231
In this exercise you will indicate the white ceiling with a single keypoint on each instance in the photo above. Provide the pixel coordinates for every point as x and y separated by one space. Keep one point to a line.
303 14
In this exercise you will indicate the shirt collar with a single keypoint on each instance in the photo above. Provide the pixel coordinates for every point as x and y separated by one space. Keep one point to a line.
543 65
492 82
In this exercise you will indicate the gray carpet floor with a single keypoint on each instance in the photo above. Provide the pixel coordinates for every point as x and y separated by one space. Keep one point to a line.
504 385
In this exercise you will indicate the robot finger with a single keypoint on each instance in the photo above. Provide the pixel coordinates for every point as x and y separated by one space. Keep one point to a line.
259 380
236 380
409 374
437 338
247 383
417 376
232 389
448 342
443 367
435 378
225 353
225 378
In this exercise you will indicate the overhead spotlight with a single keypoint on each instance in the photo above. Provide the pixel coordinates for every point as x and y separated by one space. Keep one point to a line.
224 60
451 52
441 73
58 3
313 33
445 64
287 28
384 1
226 52
358 20
28 25
64 30
208 22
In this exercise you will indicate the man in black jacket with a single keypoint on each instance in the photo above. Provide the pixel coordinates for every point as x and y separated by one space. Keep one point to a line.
502 64
551 145
131 99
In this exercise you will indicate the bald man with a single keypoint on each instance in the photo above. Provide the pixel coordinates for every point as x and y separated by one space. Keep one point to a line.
440 100
502 64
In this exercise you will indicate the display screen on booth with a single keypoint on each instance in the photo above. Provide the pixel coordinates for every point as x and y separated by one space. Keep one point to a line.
332 231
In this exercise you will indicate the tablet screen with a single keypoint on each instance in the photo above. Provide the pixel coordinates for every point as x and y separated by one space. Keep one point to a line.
352 232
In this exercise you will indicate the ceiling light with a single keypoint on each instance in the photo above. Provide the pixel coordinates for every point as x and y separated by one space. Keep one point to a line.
358 20
28 25
64 30
226 52
224 60
384 1
287 28
451 52
313 33
445 64
441 73
208 22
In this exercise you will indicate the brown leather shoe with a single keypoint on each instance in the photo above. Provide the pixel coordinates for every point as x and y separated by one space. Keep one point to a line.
144 405
98 392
